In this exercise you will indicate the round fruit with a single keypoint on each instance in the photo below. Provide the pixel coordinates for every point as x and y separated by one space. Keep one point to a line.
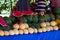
40 30
13 19
35 30
47 17
58 21
26 25
22 26
56 10
30 30
48 29
47 23
43 24
29 18
25 31
52 17
53 23
6 33
23 19
20 31
11 32
41 19
35 19
8 21
1 33
37 26
16 32
51 28
16 26
43 29
55 28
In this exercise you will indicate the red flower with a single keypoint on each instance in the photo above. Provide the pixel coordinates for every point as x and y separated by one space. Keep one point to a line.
3 23
17 14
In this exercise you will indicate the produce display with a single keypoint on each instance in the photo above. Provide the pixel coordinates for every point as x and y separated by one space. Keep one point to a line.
29 22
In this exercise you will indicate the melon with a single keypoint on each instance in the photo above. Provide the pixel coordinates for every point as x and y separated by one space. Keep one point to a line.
1 33
17 14
25 31
35 19
20 31
3 22
41 19
6 33
23 19
57 11
52 17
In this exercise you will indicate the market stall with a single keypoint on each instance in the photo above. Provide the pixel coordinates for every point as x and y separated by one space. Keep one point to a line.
29 19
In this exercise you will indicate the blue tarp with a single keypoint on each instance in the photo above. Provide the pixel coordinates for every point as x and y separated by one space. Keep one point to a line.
53 35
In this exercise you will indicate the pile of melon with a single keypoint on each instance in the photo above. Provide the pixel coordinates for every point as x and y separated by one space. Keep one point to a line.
30 23
23 28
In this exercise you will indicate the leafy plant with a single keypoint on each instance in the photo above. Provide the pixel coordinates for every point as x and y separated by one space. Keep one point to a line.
7 5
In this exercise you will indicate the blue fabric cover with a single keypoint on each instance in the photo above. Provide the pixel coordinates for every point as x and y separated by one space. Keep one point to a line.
53 35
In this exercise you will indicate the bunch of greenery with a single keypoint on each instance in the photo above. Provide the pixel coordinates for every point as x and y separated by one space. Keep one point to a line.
6 6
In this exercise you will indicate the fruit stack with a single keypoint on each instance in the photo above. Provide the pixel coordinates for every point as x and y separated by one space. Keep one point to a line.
28 23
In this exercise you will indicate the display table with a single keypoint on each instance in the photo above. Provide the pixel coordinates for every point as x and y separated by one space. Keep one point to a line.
53 35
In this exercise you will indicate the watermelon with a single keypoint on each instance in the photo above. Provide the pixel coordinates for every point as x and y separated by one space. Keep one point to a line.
8 21
56 11
2 22
41 19
52 17
27 12
23 19
17 14
35 19
37 26
47 18
31 25
29 18
34 25
13 19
